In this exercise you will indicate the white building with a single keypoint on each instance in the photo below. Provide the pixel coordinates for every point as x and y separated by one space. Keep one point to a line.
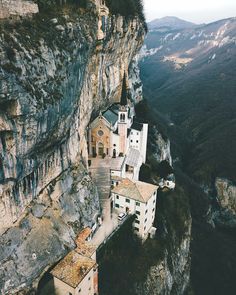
115 134
75 275
139 198
168 182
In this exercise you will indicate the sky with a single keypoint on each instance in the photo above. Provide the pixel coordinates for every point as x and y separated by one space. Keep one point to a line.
197 11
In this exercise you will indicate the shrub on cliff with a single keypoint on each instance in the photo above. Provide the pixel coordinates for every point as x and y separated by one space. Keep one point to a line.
127 8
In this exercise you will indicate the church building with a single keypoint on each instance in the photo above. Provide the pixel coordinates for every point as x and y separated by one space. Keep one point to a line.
115 133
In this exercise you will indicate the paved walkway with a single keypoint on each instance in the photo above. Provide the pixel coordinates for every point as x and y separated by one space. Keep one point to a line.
100 173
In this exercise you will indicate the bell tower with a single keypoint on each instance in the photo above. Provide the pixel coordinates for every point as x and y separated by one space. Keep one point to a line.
123 127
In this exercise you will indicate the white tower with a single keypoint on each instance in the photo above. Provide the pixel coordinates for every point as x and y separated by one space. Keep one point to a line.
122 128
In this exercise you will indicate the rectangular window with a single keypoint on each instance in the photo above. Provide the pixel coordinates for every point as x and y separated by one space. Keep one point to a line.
117 197
137 204
117 206
144 227
153 209
137 212
137 133
146 211
145 220
137 221
127 200
89 278
136 229
136 141
131 140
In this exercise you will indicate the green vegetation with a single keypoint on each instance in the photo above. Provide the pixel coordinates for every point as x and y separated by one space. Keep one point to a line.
127 8
122 7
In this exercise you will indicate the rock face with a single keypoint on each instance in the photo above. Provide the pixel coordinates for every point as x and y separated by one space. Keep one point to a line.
171 273
162 148
226 194
53 74
17 8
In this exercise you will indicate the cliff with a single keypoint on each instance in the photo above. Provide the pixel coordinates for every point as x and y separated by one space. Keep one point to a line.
170 273
226 194
54 74
9 8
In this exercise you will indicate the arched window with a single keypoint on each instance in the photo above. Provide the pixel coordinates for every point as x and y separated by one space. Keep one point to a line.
122 117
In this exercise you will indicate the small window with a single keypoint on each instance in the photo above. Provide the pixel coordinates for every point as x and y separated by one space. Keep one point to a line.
144 227
153 209
79 291
127 200
145 220
136 229
89 278
146 211
137 221
117 206
114 144
154 201
137 204
131 140
136 141
137 133
117 197
137 212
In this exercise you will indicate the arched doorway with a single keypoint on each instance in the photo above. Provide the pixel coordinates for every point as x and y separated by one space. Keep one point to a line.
100 149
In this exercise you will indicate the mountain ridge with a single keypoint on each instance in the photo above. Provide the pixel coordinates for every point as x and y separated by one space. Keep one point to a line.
171 22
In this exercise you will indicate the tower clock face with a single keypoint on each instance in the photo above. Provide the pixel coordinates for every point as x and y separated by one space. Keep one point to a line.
100 132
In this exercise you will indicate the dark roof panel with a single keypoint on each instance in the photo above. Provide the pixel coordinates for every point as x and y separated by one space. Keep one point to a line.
110 117
137 126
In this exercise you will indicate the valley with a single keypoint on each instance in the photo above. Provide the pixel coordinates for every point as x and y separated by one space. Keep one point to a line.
189 82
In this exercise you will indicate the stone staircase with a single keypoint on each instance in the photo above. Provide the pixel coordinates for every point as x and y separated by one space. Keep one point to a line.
100 173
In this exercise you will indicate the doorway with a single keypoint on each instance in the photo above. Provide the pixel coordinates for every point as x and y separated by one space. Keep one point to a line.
100 149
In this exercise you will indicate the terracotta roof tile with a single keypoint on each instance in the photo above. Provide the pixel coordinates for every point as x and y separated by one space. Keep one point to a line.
136 190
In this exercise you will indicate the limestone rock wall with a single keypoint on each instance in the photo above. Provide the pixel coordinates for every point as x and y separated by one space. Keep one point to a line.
226 194
17 8
172 274
53 75
161 147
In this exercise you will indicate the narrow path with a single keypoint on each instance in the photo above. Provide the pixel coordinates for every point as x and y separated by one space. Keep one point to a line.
100 173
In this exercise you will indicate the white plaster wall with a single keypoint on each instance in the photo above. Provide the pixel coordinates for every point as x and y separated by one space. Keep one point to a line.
134 137
87 285
115 140
144 137
62 289
146 218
